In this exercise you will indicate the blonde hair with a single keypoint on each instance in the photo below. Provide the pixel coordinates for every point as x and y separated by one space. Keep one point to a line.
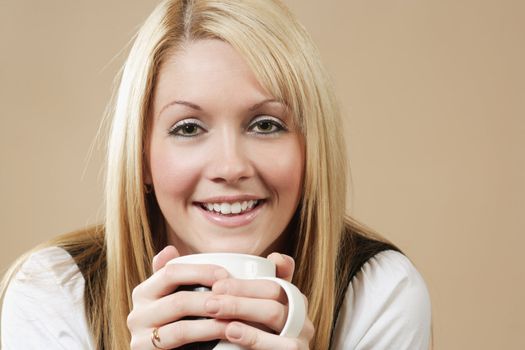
284 59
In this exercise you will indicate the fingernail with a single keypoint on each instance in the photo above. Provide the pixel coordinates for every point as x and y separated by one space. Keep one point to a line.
234 331
288 258
156 257
212 306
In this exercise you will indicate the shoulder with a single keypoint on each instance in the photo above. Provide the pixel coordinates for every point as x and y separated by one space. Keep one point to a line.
389 269
387 304
52 265
43 302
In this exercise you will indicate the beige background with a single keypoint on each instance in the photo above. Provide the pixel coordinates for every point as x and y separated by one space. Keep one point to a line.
434 92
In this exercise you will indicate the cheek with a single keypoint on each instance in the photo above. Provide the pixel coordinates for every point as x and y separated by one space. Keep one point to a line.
172 174
282 170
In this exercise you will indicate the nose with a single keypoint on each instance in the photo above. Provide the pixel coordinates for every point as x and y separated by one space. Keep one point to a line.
230 162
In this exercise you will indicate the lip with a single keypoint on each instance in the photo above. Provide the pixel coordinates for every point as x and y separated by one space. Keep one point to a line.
231 220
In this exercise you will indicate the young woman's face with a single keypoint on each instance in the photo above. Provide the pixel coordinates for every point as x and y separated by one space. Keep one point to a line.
224 158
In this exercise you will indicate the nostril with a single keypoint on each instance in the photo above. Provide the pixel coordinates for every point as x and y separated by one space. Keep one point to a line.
230 168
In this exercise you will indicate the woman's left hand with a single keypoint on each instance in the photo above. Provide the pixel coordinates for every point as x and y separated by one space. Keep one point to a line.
261 310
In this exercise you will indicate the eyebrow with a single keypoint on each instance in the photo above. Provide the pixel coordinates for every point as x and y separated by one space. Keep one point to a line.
178 102
199 108
259 104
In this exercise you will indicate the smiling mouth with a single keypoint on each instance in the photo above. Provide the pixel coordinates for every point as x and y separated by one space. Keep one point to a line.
231 209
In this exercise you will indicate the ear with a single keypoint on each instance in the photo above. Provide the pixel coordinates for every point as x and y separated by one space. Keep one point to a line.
146 172
146 169
147 178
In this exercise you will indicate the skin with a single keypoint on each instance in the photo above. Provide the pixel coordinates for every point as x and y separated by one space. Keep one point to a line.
238 144
236 130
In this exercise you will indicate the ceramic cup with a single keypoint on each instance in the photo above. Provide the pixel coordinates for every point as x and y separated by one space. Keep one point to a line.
244 266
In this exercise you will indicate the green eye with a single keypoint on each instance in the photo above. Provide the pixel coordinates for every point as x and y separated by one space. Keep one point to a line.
266 126
186 129
189 129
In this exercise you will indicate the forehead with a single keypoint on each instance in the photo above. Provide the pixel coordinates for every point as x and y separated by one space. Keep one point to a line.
206 55
206 60
205 67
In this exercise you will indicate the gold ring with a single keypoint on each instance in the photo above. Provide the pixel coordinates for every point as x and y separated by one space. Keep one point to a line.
155 339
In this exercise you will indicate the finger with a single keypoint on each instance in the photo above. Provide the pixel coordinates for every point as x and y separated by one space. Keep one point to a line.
259 289
166 280
308 331
165 255
253 338
171 308
284 264
180 333
269 313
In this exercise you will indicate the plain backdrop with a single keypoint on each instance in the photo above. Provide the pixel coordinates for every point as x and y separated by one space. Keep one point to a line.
434 99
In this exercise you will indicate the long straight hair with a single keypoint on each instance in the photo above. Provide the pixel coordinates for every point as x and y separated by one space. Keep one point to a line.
116 256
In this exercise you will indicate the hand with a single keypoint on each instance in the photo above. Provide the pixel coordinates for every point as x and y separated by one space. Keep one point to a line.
261 306
155 305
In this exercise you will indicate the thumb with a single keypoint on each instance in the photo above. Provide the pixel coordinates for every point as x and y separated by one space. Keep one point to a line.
169 252
284 264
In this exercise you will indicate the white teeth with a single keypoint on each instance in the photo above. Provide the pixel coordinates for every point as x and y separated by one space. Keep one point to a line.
236 208
226 208
230 208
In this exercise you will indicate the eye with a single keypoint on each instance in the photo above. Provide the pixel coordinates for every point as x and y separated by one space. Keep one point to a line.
187 128
266 125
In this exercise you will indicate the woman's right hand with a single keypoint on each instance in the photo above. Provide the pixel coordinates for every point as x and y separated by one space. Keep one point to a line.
155 305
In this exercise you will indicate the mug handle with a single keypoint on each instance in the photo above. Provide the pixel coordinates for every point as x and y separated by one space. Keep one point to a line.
296 307
296 313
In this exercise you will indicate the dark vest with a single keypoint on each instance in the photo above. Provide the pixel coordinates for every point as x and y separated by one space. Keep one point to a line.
363 249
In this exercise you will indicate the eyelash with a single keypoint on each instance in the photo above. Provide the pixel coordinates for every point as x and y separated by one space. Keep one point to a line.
276 125
187 122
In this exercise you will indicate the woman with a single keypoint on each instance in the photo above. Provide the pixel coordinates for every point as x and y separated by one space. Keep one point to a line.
225 137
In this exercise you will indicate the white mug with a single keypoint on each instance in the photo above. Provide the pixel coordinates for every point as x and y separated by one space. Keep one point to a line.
244 266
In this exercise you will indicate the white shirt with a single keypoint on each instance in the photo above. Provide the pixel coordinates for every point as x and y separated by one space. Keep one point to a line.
387 306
